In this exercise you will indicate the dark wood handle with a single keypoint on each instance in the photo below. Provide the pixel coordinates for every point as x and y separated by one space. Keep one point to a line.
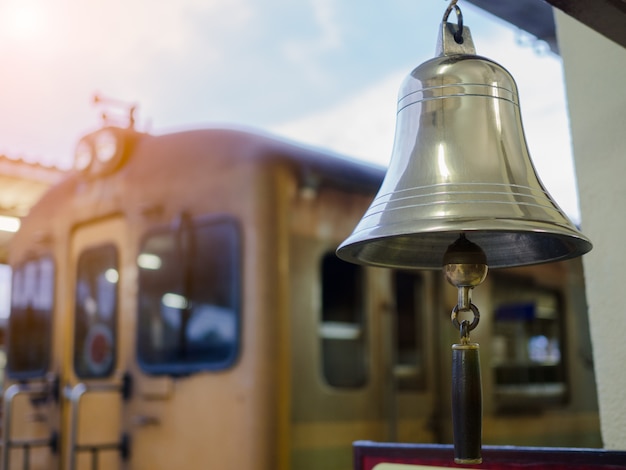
467 403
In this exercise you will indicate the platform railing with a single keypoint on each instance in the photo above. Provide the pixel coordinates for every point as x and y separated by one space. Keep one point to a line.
38 389
74 395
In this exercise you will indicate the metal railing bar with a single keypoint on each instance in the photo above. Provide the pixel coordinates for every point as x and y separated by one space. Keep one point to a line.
39 388
74 395
41 442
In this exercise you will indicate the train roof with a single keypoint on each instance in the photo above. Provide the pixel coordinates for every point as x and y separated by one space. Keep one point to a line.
315 165
142 159
237 144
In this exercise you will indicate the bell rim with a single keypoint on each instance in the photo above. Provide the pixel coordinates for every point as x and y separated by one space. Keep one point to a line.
544 242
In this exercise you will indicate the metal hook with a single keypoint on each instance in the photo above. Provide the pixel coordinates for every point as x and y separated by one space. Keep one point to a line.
458 34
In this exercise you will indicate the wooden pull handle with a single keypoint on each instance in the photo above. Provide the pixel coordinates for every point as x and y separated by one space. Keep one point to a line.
467 403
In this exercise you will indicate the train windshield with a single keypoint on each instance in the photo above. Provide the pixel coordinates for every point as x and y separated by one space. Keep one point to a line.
30 322
189 298
96 312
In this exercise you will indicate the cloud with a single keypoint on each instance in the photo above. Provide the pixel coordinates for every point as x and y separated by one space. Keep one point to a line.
305 53
361 126
325 17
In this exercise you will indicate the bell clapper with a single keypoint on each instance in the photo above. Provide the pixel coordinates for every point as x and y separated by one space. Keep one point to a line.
465 267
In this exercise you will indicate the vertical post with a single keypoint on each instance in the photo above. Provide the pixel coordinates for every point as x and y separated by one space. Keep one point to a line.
26 460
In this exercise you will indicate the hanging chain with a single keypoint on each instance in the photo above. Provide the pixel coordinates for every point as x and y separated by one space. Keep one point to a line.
465 326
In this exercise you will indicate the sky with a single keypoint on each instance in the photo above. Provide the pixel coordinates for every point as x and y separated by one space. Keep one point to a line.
321 72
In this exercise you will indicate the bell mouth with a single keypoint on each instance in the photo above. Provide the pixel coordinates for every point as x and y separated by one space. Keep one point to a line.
505 244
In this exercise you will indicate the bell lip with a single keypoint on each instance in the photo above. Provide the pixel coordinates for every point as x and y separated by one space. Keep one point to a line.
564 242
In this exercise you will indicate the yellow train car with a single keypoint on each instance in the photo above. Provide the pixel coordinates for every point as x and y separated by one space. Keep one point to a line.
176 303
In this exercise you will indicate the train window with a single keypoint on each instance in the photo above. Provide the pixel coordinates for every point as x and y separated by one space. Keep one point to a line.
527 355
189 291
408 370
30 321
95 311
342 328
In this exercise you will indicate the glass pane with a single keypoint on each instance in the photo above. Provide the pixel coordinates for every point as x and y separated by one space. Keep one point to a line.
32 302
5 291
527 342
189 298
409 346
342 329
96 312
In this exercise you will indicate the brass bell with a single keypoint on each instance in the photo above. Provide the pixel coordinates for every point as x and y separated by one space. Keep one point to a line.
460 165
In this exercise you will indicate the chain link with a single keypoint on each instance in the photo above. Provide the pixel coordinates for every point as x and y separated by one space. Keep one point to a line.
465 326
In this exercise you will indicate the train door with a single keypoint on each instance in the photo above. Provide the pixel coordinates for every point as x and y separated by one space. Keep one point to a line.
93 380
408 360
360 351
29 417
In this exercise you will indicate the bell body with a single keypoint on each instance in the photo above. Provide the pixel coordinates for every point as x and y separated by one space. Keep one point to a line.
460 164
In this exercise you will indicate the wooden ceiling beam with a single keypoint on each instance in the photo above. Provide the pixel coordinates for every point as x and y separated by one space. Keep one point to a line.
607 17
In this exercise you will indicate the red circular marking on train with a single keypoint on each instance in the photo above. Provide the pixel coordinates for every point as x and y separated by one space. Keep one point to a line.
99 348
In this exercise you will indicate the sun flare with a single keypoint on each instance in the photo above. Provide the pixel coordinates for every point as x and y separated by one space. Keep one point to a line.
24 20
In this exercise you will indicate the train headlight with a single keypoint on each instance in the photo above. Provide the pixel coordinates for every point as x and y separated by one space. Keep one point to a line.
105 145
83 155
104 151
